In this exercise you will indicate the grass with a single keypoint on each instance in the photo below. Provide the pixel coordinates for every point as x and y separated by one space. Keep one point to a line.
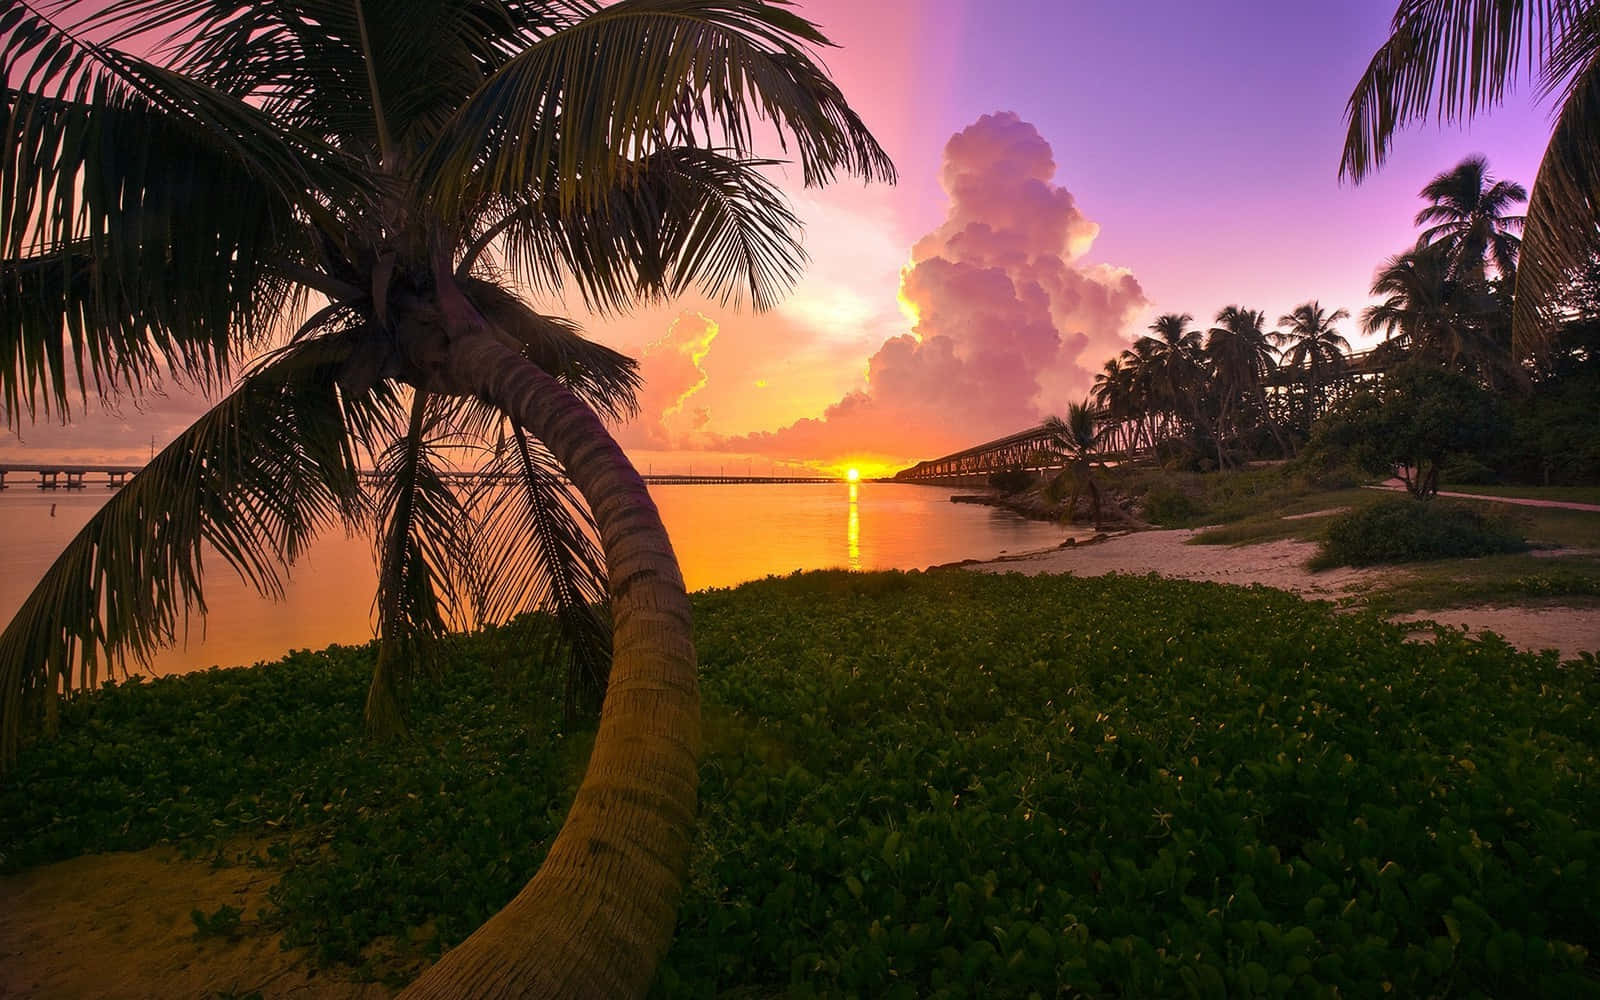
1567 494
941 784
1504 579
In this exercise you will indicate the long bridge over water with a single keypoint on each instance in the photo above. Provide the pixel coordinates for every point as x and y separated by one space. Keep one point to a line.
71 476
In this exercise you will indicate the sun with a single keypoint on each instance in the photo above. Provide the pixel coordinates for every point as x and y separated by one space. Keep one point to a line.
853 474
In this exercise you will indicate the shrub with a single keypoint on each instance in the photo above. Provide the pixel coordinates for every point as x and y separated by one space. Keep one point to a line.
1406 530
1169 505
1009 481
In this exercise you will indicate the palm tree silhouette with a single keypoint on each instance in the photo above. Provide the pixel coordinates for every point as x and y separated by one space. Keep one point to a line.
1079 438
369 187
1313 343
1467 220
1452 60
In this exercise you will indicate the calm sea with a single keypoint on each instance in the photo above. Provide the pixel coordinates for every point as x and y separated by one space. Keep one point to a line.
723 535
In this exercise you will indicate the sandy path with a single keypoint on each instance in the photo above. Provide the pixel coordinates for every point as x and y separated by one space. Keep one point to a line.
118 925
1282 564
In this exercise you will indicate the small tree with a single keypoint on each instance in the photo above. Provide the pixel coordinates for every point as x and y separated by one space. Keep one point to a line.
1421 416
1078 438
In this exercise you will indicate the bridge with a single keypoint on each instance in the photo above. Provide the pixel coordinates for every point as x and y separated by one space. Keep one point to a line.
67 476
1034 449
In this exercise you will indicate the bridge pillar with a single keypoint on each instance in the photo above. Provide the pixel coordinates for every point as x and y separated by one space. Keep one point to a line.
48 479
116 479
2 479
74 479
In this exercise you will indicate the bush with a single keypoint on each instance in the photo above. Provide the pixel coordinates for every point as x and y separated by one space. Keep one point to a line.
941 784
1009 481
1407 530
1169 505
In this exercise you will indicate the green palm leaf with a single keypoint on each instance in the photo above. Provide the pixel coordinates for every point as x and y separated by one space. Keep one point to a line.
253 480
424 534
1562 231
563 115
535 549
603 378
144 215
1446 59
684 216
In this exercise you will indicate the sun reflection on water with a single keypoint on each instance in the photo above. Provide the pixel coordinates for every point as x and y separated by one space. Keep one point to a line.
853 527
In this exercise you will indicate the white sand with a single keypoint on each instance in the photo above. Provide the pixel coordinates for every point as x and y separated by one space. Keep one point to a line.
1282 564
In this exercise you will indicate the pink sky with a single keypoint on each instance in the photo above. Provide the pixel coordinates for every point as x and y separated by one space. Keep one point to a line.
1067 173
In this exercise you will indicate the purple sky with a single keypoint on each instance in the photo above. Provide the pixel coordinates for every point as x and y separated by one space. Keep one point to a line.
1203 139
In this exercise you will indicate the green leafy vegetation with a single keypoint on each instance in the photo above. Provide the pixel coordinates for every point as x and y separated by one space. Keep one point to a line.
928 784
1400 529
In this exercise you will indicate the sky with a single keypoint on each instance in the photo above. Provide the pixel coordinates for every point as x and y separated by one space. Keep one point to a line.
1067 172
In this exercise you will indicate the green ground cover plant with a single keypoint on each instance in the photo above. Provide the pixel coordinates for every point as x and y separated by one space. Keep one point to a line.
942 784
1401 530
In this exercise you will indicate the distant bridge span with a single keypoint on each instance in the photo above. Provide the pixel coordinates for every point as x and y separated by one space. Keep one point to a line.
1029 449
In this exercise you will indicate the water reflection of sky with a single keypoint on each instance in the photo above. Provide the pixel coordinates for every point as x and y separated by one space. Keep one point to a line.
723 536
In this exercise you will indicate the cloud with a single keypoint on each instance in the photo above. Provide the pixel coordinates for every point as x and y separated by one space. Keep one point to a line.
1008 324
673 373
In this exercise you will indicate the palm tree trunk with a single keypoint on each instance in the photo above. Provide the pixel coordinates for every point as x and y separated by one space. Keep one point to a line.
597 917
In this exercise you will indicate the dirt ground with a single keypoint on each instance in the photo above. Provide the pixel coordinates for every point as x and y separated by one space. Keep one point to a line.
1282 564
119 926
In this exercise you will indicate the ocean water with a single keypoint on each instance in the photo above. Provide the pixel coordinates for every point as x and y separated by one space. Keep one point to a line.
723 535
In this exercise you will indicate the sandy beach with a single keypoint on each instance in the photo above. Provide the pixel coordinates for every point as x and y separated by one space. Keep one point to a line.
1282 564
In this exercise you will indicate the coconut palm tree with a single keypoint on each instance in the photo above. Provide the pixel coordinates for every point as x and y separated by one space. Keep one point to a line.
1451 60
1079 439
1313 343
1428 313
1114 395
1241 357
1467 220
1177 368
369 187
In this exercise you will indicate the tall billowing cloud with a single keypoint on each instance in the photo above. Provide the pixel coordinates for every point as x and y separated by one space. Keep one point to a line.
1008 324
672 372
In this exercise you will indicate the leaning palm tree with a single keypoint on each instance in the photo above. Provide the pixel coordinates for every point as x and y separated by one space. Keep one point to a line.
1468 220
1452 60
1313 343
1079 439
368 188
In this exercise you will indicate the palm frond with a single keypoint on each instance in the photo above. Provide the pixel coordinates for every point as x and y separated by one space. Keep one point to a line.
1447 59
253 480
603 378
685 217
140 219
536 550
1562 232
424 541
304 62
639 75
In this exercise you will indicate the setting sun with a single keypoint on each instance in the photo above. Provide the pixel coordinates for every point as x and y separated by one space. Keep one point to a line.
853 474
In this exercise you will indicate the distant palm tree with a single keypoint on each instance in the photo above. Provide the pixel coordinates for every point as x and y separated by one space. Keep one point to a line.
1313 343
1429 313
1115 395
1177 366
1453 59
1467 220
417 165
1241 356
1079 439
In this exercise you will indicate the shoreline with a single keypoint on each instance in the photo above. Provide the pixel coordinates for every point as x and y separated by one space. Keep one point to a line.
1282 565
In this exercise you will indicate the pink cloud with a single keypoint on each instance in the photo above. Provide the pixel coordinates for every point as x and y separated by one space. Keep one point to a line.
673 374
1008 325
